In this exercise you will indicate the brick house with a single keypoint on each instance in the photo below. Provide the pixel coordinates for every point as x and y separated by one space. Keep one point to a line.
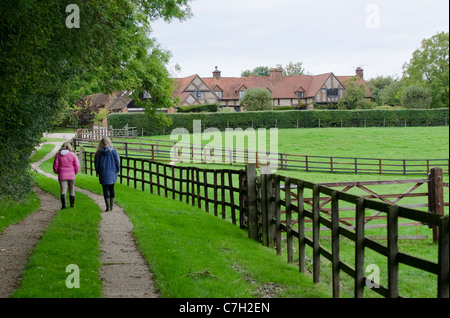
298 91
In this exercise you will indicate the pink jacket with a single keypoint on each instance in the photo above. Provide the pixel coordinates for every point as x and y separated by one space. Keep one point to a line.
66 165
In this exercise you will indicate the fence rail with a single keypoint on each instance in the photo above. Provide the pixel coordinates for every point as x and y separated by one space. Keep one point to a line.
166 151
256 202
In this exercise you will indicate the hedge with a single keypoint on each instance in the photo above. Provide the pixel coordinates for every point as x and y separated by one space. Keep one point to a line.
198 108
286 119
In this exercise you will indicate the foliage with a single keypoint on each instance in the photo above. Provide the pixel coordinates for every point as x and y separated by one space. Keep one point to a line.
292 69
391 94
45 64
257 98
354 97
287 119
429 67
283 108
199 108
415 96
85 113
257 71
385 90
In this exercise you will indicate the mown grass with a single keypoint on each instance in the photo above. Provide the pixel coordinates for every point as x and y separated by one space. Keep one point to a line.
71 238
193 254
12 211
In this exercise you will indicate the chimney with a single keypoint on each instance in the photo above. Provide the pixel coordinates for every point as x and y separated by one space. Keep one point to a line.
360 72
276 75
216 74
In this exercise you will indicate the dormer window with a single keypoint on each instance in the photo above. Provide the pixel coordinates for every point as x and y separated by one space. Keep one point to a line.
219 94
300 94
241 94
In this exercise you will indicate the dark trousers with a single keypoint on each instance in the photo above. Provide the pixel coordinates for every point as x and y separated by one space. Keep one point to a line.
108 191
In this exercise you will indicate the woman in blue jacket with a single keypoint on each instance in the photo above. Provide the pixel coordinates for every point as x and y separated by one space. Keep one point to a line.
107 167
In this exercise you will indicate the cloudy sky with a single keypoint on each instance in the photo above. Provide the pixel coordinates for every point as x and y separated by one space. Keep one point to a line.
326 36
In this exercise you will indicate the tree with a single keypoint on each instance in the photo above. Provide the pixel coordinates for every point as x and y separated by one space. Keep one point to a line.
354 97
257 71
46 62
292 69
391 94
429 68
257 98
415 96
377 85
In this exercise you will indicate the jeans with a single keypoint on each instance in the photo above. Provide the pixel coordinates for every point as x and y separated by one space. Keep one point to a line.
108 191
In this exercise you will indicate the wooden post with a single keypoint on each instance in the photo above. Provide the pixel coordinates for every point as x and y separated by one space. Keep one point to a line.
252 202
290 249
316 234
335 243
277 215
301 227
436 196
359 248
443 275
392 245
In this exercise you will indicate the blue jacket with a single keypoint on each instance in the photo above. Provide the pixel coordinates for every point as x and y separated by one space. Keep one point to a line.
107 165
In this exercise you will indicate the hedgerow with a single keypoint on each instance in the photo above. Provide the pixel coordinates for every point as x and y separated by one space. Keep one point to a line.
286 119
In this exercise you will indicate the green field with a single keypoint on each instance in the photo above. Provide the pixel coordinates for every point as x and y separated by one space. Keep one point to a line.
240 267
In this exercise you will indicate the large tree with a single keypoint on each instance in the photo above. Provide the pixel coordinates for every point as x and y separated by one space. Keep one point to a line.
429 68
54 51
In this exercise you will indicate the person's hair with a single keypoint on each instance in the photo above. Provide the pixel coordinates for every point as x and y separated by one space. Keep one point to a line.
66 146
104 142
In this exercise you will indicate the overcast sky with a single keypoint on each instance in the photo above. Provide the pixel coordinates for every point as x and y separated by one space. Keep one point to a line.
326 36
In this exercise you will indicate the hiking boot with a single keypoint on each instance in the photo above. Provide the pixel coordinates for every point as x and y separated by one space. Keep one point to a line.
72 200
63 201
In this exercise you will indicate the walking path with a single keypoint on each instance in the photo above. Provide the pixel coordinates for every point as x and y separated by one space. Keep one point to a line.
124 271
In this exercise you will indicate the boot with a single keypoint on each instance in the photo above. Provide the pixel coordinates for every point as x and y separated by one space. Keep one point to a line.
107 205
111 203
72 200
63 201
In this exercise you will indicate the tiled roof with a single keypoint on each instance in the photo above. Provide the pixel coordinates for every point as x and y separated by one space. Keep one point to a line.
284 88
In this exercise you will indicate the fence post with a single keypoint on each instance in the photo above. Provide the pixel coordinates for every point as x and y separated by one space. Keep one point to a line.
252 202
436 196
82 160
443 276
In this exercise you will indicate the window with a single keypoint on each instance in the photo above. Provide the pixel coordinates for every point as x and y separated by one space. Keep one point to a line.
300 94
219 94
199 95
332 92
241 94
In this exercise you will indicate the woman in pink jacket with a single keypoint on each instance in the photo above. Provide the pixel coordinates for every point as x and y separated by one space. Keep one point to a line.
66 166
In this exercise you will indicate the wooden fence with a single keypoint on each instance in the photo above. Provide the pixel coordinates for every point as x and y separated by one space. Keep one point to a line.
167 151
256 202
97 133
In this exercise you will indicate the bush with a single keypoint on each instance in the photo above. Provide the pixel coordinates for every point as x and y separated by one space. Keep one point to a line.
257 98
211 108
286 119
283 108
415 96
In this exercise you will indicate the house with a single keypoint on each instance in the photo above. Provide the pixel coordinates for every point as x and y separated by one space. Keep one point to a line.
300 91
120 102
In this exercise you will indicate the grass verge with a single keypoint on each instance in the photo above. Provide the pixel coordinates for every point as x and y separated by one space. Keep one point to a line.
71 238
